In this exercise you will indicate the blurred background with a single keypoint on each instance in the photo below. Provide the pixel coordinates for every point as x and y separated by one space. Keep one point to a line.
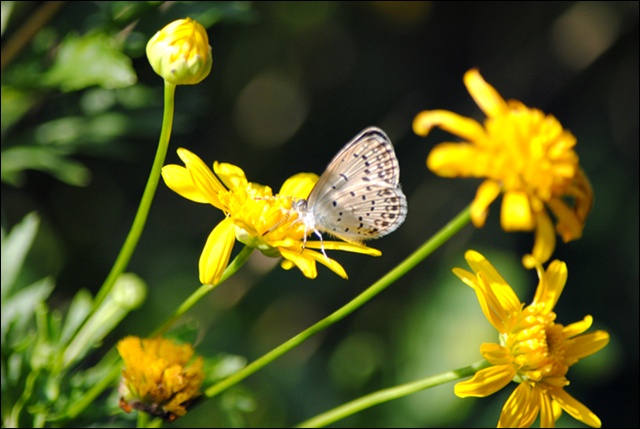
291 83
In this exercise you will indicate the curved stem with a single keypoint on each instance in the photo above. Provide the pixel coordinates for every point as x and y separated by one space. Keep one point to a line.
108 379
405 266
139 221
389 394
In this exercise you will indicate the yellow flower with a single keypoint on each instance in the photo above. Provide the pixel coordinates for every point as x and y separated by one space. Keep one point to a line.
253 216
159 376
180 52
521 152
534 351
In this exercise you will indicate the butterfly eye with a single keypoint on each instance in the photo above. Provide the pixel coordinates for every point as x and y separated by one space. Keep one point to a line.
300 205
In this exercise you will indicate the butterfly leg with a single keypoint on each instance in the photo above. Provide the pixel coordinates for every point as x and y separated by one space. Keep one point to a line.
316 232
321 243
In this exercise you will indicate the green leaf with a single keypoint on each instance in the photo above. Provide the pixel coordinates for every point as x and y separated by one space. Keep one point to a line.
17 159
15 104
14 250
78 310
92 59
18 309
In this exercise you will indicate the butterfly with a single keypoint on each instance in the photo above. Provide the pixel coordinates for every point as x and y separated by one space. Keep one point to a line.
358 197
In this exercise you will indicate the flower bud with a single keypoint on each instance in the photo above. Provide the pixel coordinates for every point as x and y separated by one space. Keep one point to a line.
180 52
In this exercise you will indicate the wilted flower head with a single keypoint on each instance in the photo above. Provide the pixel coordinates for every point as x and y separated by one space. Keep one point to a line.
522 153
159 376
534 350
180 52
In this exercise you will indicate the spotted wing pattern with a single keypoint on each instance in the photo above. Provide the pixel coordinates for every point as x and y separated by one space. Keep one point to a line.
358 197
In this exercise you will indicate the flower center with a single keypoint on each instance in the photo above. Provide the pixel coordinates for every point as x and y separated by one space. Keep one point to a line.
537 345
262 220
531 152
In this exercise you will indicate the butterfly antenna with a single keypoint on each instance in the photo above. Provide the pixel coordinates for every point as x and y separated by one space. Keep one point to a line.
283 219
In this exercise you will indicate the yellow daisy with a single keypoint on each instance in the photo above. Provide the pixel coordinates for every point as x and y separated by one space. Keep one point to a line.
522 153
534 351
159 376
254 216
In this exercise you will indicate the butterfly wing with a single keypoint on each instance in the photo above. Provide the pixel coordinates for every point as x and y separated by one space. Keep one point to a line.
364 213
358 196
368 156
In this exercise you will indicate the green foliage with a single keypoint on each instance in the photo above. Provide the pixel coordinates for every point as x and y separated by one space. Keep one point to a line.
42 347
18 159
92 59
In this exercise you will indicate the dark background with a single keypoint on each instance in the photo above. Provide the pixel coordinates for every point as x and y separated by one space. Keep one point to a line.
291 83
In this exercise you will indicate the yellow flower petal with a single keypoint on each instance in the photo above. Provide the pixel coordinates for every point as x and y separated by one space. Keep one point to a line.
582 192
287 264
504 294
454 160
557 410
492 305
485 95
303 262
548 412
516 213
327 262
217 251
341 245
496 354
551 284
468 278
203 179
232 176
479 263
521 409
485 382
576 409
466 128
486 194
586 345
179 181
544 244
569 225
299 186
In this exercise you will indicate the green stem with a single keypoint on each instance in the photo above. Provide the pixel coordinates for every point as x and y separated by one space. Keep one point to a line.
143 419
231 269
88 398
14 417
405 266
139 221
389 394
